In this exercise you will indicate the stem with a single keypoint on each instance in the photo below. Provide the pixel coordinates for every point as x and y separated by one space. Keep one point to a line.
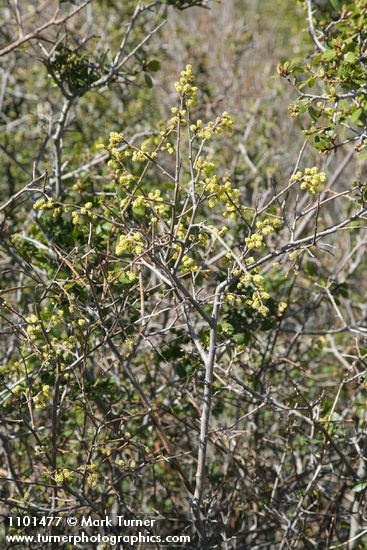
57 137
205 414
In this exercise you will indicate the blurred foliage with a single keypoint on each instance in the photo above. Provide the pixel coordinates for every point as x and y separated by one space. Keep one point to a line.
338 73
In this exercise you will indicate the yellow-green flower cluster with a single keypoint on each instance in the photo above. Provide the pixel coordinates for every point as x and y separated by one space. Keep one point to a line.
131 275
141 202
180 231
17 390
259 295
265 227
184 86
205 165
168 147
33 327
293 255
132 243
46 391
222 192
44 395
39 451
231 298
125 179
78 185
75 217
188 264
159 206
257 303
84 211
224 122
218 231
43 204
256 240
213 186
59 347
179 116
92 479
138 155
115 140
268 226
142 154
294 110
63 475
311 180
32 319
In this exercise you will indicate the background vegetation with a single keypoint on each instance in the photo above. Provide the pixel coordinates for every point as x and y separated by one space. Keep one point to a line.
182 292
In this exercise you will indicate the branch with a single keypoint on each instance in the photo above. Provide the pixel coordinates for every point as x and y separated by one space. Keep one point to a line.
317 42
205 415
35 34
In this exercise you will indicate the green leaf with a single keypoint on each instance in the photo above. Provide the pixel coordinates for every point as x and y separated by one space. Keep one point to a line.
310 268
318 143
313 113
335 4
139 211
356 115
299 124
359 487
310 82
148 80
226 328
154 65
297 69
350 57
329 54
363 156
